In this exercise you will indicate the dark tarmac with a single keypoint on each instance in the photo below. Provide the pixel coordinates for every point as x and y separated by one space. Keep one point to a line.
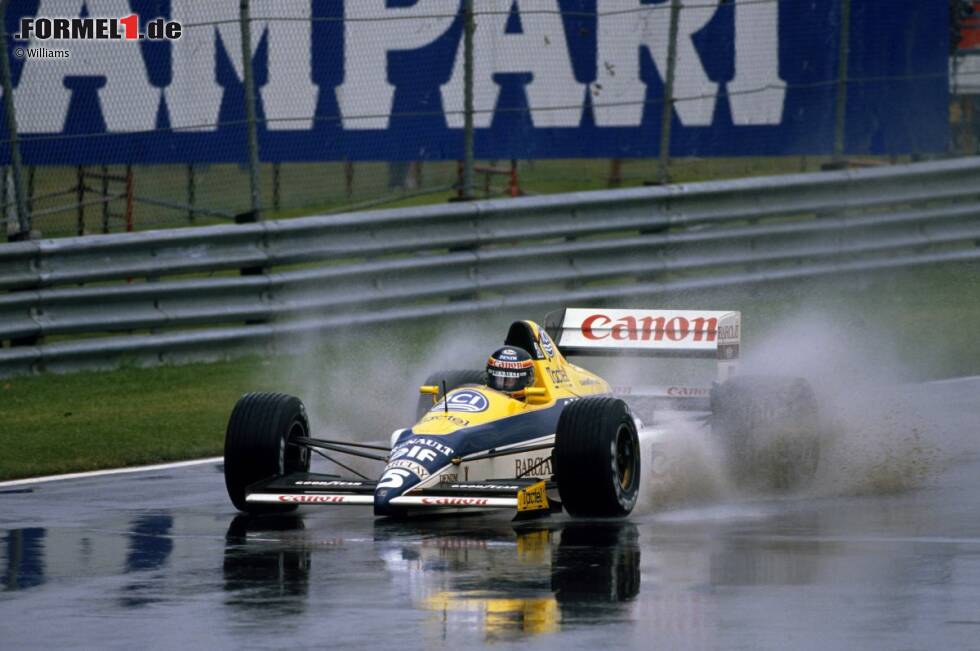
161 560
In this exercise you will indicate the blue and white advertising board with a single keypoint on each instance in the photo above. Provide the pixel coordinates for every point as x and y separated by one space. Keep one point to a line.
383 79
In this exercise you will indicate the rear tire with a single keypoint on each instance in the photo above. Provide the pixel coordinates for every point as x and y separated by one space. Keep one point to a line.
257 445
769 428
597 458
453 380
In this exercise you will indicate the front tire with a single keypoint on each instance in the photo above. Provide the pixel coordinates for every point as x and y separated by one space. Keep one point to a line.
257 445
597 458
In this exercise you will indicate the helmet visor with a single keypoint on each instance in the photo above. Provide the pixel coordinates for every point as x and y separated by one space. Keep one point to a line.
508 381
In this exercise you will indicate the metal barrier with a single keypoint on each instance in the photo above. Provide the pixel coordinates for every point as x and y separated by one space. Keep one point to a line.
223 290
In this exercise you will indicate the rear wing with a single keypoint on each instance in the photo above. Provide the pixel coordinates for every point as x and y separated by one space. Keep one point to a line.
652 333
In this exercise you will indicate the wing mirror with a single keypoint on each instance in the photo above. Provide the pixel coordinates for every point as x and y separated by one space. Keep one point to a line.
536 395
430 390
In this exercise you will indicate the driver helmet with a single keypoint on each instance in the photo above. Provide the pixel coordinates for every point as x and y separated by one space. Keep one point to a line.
510 369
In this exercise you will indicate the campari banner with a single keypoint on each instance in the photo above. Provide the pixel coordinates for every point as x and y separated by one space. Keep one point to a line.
157 81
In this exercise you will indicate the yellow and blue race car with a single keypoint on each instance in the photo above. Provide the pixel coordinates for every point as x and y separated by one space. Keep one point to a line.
532 433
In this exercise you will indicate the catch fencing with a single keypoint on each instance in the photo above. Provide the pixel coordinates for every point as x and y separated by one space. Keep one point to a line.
273 108
159 296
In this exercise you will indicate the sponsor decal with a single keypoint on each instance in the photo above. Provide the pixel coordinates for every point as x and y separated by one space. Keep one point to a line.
532 498
498 373
467 400
599 326
328 483
455 420
455 501
415 452
312 499
393 478
558 375
547 344
488 486
448 478
688 392
444 449
540 465
728 333
416 469
511 365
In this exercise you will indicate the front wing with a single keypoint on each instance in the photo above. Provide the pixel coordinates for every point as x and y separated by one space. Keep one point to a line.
522 495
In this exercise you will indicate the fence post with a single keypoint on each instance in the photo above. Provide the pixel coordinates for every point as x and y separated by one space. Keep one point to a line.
191 192
31 173
129 199
23 217
469 26
843 55
276 196
80 194
253 138
663 175
105 199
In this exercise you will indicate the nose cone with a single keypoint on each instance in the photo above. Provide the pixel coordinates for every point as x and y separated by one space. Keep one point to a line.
399 476
413 460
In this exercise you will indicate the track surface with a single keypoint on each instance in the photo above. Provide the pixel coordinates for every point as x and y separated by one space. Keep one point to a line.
161 560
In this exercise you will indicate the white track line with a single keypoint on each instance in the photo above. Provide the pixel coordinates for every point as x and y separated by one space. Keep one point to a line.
105 473
954 380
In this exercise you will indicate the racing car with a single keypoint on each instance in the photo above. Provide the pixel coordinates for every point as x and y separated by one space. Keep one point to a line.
532 433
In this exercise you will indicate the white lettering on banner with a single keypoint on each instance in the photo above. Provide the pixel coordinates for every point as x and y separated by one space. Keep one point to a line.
540 49
129 102
366 89
194 96
624 36
757 65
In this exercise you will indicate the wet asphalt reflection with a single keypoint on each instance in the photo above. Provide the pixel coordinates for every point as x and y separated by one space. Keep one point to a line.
161 560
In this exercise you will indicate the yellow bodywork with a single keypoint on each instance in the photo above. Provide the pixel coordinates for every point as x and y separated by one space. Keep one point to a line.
555 378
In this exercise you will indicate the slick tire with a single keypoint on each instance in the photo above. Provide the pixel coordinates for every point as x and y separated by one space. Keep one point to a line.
453 380
597 458
257 445
769 430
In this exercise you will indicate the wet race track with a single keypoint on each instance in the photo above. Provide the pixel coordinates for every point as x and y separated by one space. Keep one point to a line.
161 559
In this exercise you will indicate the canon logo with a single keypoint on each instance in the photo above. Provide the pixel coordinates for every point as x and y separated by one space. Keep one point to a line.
454 501
648 328
312 499
687 392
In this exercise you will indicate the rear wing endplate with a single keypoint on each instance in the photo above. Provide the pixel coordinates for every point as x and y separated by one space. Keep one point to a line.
654 333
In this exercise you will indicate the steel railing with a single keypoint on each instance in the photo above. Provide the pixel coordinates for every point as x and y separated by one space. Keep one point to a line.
223 290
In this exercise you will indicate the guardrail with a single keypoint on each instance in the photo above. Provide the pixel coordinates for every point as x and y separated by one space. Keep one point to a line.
250 284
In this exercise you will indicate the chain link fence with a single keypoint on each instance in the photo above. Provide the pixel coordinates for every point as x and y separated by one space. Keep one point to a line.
277 108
